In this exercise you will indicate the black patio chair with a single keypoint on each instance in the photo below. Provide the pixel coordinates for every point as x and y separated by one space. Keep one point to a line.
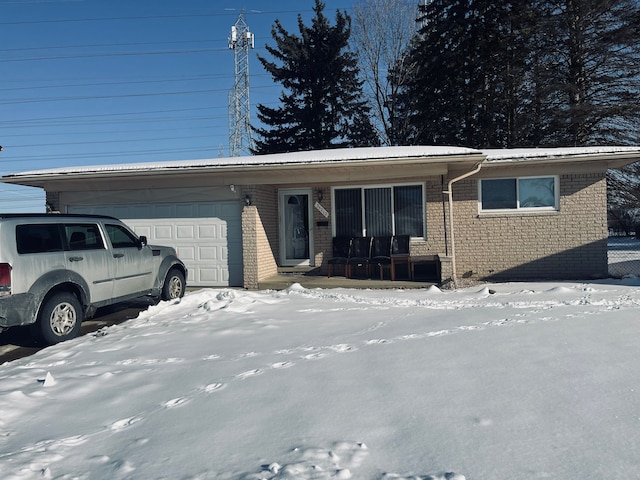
381 253
359 255
341 246
400 245
400 254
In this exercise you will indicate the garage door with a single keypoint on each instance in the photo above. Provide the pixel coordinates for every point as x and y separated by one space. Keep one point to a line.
207 236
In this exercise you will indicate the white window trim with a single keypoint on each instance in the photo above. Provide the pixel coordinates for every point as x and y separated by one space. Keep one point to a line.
422 185
518 209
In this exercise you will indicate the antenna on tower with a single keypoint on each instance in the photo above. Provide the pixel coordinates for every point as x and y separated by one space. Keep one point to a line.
240 40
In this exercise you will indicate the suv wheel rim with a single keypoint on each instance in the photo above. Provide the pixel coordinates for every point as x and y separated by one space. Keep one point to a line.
175 287
63 319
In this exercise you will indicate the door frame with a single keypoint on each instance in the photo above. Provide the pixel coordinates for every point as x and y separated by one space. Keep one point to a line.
281 227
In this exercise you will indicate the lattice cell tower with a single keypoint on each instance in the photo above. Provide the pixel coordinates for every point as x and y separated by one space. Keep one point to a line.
240 41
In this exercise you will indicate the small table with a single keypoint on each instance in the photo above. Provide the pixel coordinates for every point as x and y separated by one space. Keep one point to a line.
400 259
423 260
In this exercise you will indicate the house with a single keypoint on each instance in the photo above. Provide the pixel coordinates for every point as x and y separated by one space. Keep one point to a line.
487 214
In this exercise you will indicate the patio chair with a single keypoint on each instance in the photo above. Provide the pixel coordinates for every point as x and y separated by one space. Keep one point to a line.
359 255
381 253
400 245
341 246
400 254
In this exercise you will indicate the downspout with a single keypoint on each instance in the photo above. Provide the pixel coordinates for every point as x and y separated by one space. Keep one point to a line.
449 193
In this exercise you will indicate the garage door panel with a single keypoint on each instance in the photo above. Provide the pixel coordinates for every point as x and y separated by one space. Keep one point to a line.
209 253
187 253
185 232
198 231
213 276
209 231
163 232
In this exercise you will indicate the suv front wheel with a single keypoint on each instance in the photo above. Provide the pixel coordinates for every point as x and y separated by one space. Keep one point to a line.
174 285
60 318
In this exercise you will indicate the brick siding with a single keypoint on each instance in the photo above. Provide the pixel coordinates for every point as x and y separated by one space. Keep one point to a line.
259 234
568 244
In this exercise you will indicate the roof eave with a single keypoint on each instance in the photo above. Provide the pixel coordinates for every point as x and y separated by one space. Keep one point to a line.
435 164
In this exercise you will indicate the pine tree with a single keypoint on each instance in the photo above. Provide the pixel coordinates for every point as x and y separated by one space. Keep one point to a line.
469 71
598 64
322 104
516 73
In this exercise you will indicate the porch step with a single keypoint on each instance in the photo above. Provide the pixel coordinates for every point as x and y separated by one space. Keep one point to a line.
306 270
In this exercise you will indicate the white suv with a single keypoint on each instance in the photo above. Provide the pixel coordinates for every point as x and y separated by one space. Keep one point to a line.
56 270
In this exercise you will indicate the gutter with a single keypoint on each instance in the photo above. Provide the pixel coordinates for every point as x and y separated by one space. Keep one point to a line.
449 193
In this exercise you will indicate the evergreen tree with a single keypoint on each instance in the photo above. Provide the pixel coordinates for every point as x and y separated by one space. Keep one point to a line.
505 74
598 60
322 104
469 69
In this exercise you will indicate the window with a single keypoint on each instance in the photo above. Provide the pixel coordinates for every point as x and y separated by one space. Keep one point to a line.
38 238
121 237
525 193
84 237
379 210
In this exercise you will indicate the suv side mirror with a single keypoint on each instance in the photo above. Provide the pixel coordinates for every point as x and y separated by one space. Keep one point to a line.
143 240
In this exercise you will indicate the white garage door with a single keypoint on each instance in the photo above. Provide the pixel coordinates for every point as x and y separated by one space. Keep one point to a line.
207 236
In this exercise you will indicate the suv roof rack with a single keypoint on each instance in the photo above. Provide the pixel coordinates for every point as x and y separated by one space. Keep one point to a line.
50 215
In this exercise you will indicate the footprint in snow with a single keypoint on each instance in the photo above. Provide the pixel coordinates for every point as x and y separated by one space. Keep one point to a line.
249 373
314 356
124 423
214 387
175 402
282 365
377 341
212 357
342 348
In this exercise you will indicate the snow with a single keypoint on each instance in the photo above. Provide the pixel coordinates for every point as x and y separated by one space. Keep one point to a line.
305 157
511 154
443 153
499 381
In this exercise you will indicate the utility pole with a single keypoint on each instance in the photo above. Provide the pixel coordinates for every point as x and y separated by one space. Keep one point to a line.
240 40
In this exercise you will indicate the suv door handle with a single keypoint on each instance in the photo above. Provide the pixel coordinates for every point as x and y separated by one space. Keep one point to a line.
118 255
76 259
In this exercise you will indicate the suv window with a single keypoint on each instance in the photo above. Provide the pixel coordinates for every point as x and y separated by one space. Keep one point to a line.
38 238
84 236
121 237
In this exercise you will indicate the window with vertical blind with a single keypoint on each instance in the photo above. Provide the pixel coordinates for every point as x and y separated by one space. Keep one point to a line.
379 210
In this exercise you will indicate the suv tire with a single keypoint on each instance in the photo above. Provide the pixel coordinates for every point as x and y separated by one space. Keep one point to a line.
59 319
174 285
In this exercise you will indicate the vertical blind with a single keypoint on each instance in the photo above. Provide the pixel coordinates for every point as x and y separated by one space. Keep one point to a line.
377 211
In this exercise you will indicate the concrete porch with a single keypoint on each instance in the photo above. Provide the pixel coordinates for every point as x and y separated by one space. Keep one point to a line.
310 277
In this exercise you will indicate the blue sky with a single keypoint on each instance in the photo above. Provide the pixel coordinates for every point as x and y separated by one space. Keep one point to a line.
86 82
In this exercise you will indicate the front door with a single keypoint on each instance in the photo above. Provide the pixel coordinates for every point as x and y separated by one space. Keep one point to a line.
296 234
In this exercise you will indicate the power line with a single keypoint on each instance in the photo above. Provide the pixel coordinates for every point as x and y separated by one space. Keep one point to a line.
157 17
130 82
172 110
96 97
93 45
124 153
109 142
114 54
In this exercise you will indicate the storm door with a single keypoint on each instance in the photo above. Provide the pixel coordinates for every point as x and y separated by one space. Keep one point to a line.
296 236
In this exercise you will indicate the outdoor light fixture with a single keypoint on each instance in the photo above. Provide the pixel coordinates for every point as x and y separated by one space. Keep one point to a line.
247 200
320 195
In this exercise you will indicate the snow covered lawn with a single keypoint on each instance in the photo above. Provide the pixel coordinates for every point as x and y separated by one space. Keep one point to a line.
499 382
